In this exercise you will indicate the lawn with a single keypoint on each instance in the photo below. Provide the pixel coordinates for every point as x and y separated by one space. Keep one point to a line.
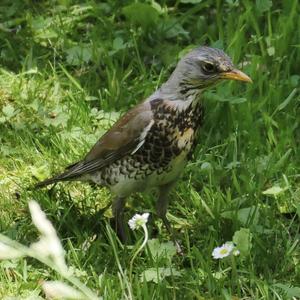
69 69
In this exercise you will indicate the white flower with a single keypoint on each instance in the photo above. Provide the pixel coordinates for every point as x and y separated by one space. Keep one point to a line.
49 243
8 252
40 220
60 290
223 251
138 221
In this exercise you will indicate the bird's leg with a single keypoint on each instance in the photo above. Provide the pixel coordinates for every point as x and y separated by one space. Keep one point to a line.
118 206
161 210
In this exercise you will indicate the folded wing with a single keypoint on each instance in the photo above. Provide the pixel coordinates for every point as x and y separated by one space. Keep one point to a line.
125 137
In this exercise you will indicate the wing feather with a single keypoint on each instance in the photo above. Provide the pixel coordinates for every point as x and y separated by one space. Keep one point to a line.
125 137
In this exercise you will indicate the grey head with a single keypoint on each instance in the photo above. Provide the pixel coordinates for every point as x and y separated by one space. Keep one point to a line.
199 69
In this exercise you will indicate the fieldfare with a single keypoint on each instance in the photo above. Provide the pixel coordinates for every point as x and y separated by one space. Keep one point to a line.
150 145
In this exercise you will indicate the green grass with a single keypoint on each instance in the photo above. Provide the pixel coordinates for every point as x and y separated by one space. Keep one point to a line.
68 70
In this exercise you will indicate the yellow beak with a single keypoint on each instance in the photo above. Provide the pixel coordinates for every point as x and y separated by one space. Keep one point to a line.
236 75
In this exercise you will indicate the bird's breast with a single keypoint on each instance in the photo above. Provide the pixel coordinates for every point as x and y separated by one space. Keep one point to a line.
163 155
185 139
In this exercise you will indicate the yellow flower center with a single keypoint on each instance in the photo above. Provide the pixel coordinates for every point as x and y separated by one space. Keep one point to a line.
224 251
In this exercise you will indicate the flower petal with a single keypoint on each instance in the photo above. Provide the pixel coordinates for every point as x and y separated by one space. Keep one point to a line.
8 252
138 221
40 220
60 290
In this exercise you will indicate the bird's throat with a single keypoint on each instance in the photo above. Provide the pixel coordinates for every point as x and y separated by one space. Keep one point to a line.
182 95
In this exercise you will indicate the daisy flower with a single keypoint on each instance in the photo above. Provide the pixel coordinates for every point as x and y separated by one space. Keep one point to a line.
223 251
138 221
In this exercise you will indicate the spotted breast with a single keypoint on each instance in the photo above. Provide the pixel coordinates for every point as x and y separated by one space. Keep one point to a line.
161 158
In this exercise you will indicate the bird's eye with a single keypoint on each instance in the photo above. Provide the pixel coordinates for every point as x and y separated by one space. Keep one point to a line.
208 68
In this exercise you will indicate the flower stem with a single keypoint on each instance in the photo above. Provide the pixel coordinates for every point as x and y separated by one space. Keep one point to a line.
138 251
234 275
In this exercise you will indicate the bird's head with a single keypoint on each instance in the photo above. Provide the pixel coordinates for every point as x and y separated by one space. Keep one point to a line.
202 68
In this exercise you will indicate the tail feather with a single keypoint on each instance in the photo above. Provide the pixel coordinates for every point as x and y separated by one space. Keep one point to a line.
45 182
68 175
52 180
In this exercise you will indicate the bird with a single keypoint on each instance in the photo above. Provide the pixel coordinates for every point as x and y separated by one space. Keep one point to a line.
149 146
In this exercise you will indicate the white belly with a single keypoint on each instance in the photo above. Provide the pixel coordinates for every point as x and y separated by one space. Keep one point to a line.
127 186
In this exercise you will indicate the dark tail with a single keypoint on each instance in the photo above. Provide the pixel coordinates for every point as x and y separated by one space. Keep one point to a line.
50 181
68 175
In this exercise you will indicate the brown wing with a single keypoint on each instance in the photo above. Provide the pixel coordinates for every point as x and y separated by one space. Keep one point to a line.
125 137
126 131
